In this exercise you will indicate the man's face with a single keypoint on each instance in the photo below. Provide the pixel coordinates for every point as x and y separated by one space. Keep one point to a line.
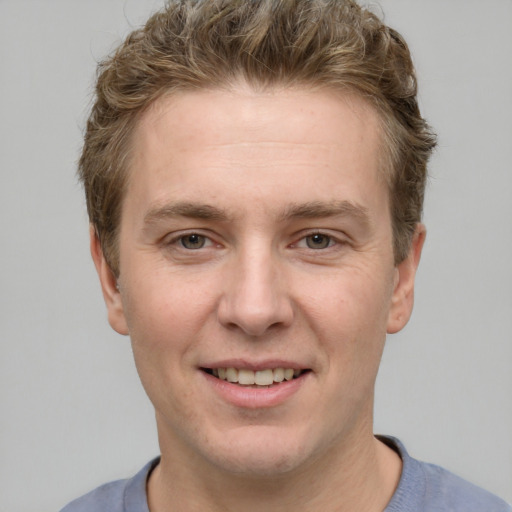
256 242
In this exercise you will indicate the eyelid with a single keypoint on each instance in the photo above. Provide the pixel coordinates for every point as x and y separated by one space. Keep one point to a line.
174 238
336 239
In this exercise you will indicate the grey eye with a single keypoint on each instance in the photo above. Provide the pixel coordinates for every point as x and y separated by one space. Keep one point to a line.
193 241
318 241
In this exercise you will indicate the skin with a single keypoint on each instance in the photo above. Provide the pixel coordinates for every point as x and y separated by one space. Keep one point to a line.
257 175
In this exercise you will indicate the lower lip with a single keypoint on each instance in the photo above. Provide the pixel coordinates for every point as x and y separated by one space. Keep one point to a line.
254 398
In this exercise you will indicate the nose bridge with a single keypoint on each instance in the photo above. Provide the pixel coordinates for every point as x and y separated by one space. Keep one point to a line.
255 297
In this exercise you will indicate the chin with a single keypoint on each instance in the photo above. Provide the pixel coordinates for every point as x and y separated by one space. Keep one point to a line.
259 465
260 454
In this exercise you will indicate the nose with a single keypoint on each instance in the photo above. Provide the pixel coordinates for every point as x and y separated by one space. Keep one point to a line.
255 298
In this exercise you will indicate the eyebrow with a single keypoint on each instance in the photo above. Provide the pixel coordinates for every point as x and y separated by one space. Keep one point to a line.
320 209
308 210
185 209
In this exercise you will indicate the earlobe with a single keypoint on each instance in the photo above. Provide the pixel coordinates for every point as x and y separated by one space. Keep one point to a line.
109 286
403 293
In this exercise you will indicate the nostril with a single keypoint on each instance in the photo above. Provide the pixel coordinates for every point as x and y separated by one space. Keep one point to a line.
255 305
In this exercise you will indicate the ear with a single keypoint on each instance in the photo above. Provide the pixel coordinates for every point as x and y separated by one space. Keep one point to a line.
403 294
109 287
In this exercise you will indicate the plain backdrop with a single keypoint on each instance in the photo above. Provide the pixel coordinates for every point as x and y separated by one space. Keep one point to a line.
72 412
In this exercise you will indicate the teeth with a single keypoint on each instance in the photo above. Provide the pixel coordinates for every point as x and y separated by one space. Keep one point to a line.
278 375
231 374
264 377
260 378
245 377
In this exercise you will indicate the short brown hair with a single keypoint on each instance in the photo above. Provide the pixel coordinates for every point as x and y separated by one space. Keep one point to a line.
194 44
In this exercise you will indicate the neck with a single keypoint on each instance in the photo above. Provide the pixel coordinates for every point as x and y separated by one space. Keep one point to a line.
360 474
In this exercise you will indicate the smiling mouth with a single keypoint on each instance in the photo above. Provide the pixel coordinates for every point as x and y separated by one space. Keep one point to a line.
256 379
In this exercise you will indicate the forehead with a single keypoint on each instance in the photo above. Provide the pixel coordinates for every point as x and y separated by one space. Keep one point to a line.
278 114
211 142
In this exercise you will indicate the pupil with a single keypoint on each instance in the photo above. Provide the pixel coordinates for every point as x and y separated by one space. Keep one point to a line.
318 241
193 241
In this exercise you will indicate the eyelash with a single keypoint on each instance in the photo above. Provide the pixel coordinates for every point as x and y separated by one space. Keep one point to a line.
332 241
177 241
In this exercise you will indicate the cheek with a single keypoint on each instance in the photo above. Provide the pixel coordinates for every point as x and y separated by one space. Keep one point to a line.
164 315
348 313
158 296
352 298
164 323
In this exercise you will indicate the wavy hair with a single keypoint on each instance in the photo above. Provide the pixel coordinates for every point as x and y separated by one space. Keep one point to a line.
194 44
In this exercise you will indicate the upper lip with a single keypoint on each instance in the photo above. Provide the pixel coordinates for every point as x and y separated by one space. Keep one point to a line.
254 365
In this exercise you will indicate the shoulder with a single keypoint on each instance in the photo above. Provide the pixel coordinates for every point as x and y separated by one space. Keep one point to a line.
118 496
457 494
108 497
426 487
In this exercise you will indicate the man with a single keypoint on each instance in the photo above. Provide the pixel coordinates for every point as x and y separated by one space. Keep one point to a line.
254 174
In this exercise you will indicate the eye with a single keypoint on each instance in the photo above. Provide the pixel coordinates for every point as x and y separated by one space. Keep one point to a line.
318 241
193 241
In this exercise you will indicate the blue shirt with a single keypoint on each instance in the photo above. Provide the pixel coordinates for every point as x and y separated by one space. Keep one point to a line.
422 488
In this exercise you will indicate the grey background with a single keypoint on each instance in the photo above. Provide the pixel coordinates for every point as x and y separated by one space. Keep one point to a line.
73 414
